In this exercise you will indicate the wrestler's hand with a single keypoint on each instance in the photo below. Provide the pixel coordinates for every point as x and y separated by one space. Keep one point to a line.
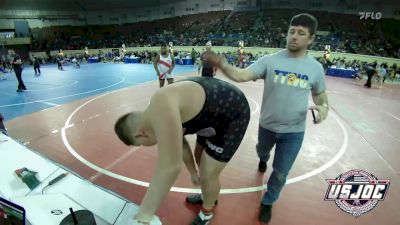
195 180
137 221
154 221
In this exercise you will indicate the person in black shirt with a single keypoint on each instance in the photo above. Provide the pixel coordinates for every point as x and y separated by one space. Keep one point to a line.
207 70
17 65
36 66
60 59
370 70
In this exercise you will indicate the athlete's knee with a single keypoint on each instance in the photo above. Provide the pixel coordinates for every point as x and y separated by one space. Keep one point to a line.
280 175
209 178
209 173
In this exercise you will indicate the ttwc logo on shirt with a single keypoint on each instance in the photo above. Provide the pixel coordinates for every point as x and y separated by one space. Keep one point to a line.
291 79
356 191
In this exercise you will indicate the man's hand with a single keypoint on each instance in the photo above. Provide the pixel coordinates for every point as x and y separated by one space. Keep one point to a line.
214 59
154 221
322 112
195 179
233 73
139 221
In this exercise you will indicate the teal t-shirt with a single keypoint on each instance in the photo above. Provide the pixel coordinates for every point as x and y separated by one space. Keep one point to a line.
287 85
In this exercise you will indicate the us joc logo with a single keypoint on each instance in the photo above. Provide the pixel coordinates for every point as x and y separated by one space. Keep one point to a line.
356 191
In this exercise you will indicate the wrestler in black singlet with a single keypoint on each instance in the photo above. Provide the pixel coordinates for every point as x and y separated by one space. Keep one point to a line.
223 120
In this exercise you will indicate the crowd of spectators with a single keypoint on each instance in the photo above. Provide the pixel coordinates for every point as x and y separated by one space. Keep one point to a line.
344 33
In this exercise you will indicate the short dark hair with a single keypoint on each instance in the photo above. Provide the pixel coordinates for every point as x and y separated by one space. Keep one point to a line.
305 20
122 130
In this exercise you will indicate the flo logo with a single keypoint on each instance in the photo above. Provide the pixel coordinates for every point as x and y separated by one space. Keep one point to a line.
370 15
356 192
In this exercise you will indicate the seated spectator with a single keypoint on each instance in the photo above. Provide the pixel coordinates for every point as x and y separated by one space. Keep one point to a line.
76 63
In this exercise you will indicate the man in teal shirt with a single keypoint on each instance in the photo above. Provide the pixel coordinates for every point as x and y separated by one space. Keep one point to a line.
289 76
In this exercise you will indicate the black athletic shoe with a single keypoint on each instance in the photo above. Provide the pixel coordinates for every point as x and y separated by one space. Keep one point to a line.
262 166
196 199
202 219
265 213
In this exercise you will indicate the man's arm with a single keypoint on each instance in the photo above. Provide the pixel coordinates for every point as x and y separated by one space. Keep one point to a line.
233 73
168 133
189 162
188 158
155 61
321 105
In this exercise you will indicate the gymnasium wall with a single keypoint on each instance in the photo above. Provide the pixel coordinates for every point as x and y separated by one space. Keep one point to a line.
45 18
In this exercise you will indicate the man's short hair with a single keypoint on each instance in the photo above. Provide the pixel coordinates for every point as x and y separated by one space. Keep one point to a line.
305 20
122 130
